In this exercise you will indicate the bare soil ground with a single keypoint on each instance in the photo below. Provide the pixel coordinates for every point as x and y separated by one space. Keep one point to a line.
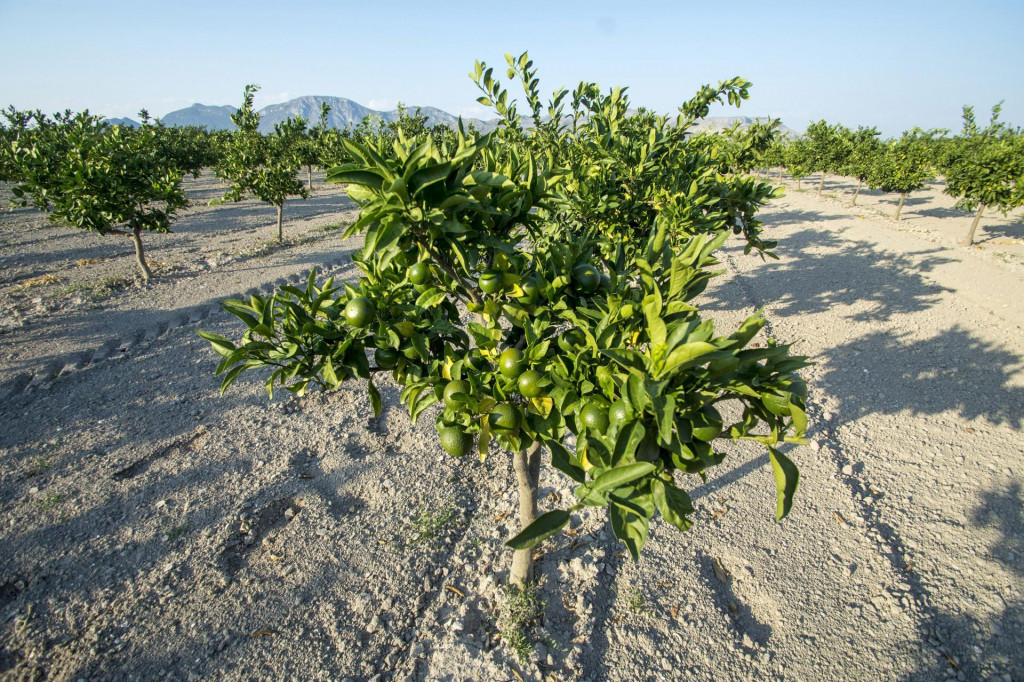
152 529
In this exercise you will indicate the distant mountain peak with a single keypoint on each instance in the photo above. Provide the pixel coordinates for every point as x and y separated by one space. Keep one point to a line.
347 113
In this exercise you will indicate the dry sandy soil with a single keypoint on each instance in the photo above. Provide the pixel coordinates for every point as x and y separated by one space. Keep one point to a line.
152 529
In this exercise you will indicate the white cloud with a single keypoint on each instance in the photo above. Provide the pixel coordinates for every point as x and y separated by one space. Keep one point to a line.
474 111
382 103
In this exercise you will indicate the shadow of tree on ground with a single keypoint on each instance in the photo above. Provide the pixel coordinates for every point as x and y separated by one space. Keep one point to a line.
987 649
823 271
953 371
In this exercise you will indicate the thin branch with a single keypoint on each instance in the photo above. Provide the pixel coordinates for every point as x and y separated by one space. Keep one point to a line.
448 270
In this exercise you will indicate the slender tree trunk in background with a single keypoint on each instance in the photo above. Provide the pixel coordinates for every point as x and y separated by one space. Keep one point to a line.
280 231
899 206
857 193
527 467
822 183
798 183
140 255
309 174
974 226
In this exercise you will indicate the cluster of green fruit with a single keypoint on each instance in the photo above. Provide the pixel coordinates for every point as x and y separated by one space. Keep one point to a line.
504 418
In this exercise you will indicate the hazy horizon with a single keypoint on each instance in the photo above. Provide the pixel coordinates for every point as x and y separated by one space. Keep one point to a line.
895 67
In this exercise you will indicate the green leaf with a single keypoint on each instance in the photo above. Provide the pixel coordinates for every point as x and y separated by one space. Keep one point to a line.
674 504
620 476
629 359
627 443
799 419
687 354
220 344
786 479
425 177
629 527
561 460
748 330
543 527
375 399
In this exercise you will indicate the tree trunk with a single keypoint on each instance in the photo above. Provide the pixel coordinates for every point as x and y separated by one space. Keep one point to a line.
309 174
798 183
280 231
899 206
857 193
140 255
974 226
822 183
527 466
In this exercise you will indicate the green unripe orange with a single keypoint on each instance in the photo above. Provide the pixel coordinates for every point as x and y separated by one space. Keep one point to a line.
419 273
455 441
386 358
510 363
529 383
359 312
505 418
453 387
587 278
776 404
491 281
530 290
594 418
620 412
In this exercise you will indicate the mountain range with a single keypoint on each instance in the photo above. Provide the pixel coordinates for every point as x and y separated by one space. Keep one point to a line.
346 113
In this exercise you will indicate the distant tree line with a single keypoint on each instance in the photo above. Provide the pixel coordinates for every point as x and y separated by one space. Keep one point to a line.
983 167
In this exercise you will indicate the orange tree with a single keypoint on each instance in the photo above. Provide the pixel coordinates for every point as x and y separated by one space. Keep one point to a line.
798 156
90 175
865 147
984 167
487 291
830 146
264 166
902 165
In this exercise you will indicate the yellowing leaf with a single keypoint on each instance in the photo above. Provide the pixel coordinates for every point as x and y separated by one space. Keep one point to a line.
541 406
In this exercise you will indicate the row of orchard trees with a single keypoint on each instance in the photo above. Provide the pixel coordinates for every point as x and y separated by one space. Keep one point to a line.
983 167
113 179
539 284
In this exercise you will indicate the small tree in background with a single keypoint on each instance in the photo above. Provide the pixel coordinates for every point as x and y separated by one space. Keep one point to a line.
773 157
902 166
865 148
829 147
799 159
984 167
265 166
90 175
187 148
312 147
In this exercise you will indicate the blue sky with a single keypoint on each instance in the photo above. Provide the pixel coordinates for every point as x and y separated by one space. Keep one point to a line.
895 64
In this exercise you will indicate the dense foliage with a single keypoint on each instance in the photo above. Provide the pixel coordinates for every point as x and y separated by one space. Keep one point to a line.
539 284
865 150
264 166
90 175
984 167
828 147
902 166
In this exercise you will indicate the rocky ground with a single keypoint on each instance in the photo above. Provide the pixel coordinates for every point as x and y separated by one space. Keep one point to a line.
152 529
